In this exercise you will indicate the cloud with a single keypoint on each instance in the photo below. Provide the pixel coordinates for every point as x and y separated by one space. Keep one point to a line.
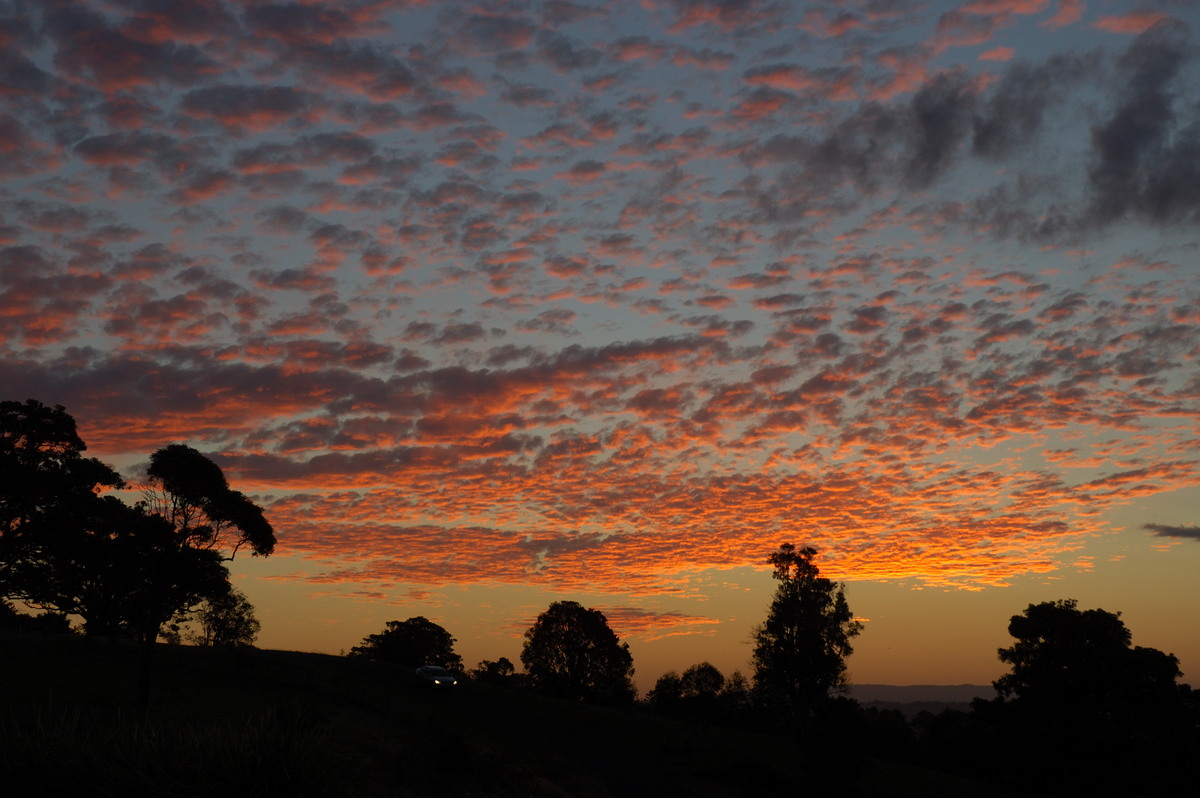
653 625
483 34
256 108
1164 531
1133 22
1014 112
92 51
600 299
1143 154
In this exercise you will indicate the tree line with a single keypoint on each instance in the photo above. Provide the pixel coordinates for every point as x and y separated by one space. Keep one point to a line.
1081 712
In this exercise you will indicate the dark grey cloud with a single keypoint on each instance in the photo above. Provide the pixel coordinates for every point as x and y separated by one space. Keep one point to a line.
110 149
1165 531
282 219
299 22
527 94
565 54
21 77
1143 156
1014 112
941 116
315 150
492 33
236 104
92 50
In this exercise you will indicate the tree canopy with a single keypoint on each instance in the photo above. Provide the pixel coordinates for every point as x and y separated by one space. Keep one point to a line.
800 650
190 491
698 687
571 651
498 672
1082 664
415 642
225 620
702 681
47 487
121 570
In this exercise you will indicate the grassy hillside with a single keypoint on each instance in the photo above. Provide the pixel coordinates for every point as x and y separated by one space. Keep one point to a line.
277 723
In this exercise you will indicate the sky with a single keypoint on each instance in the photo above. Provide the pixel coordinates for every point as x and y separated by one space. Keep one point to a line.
494 304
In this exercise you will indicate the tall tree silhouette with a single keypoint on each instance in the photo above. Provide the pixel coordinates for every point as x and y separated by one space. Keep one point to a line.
47 487
800 650
571 651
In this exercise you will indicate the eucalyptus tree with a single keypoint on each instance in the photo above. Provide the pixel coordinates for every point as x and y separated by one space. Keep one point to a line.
800 650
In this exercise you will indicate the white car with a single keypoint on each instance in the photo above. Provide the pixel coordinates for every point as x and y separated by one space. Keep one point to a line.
436 675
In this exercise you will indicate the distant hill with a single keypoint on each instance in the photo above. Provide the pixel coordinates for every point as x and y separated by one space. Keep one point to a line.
914 698
909 693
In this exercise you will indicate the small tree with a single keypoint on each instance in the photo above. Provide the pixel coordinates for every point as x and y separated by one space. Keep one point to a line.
735 694
701 682
500 672
413 643
225 621
571 651
800 650
667 693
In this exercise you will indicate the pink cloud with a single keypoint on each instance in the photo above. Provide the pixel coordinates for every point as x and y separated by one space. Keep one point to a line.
1132 23
997 54
1069 12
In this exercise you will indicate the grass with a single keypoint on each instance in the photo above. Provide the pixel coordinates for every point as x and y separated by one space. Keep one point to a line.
276 723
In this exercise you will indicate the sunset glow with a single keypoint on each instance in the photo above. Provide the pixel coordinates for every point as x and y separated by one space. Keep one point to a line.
490 304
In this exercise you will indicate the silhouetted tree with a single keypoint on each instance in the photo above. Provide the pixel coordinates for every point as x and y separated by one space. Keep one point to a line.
701 682
1066 660
571 651
125 570
190 491
800 650
221 621
500 672
1083 711
122 570
1079 668
735 694
667 693
46 486
415 642
695 693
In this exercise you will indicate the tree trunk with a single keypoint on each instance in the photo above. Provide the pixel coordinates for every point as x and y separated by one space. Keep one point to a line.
145 675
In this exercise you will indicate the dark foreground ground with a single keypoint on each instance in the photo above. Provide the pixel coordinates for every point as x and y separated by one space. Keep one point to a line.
278 723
